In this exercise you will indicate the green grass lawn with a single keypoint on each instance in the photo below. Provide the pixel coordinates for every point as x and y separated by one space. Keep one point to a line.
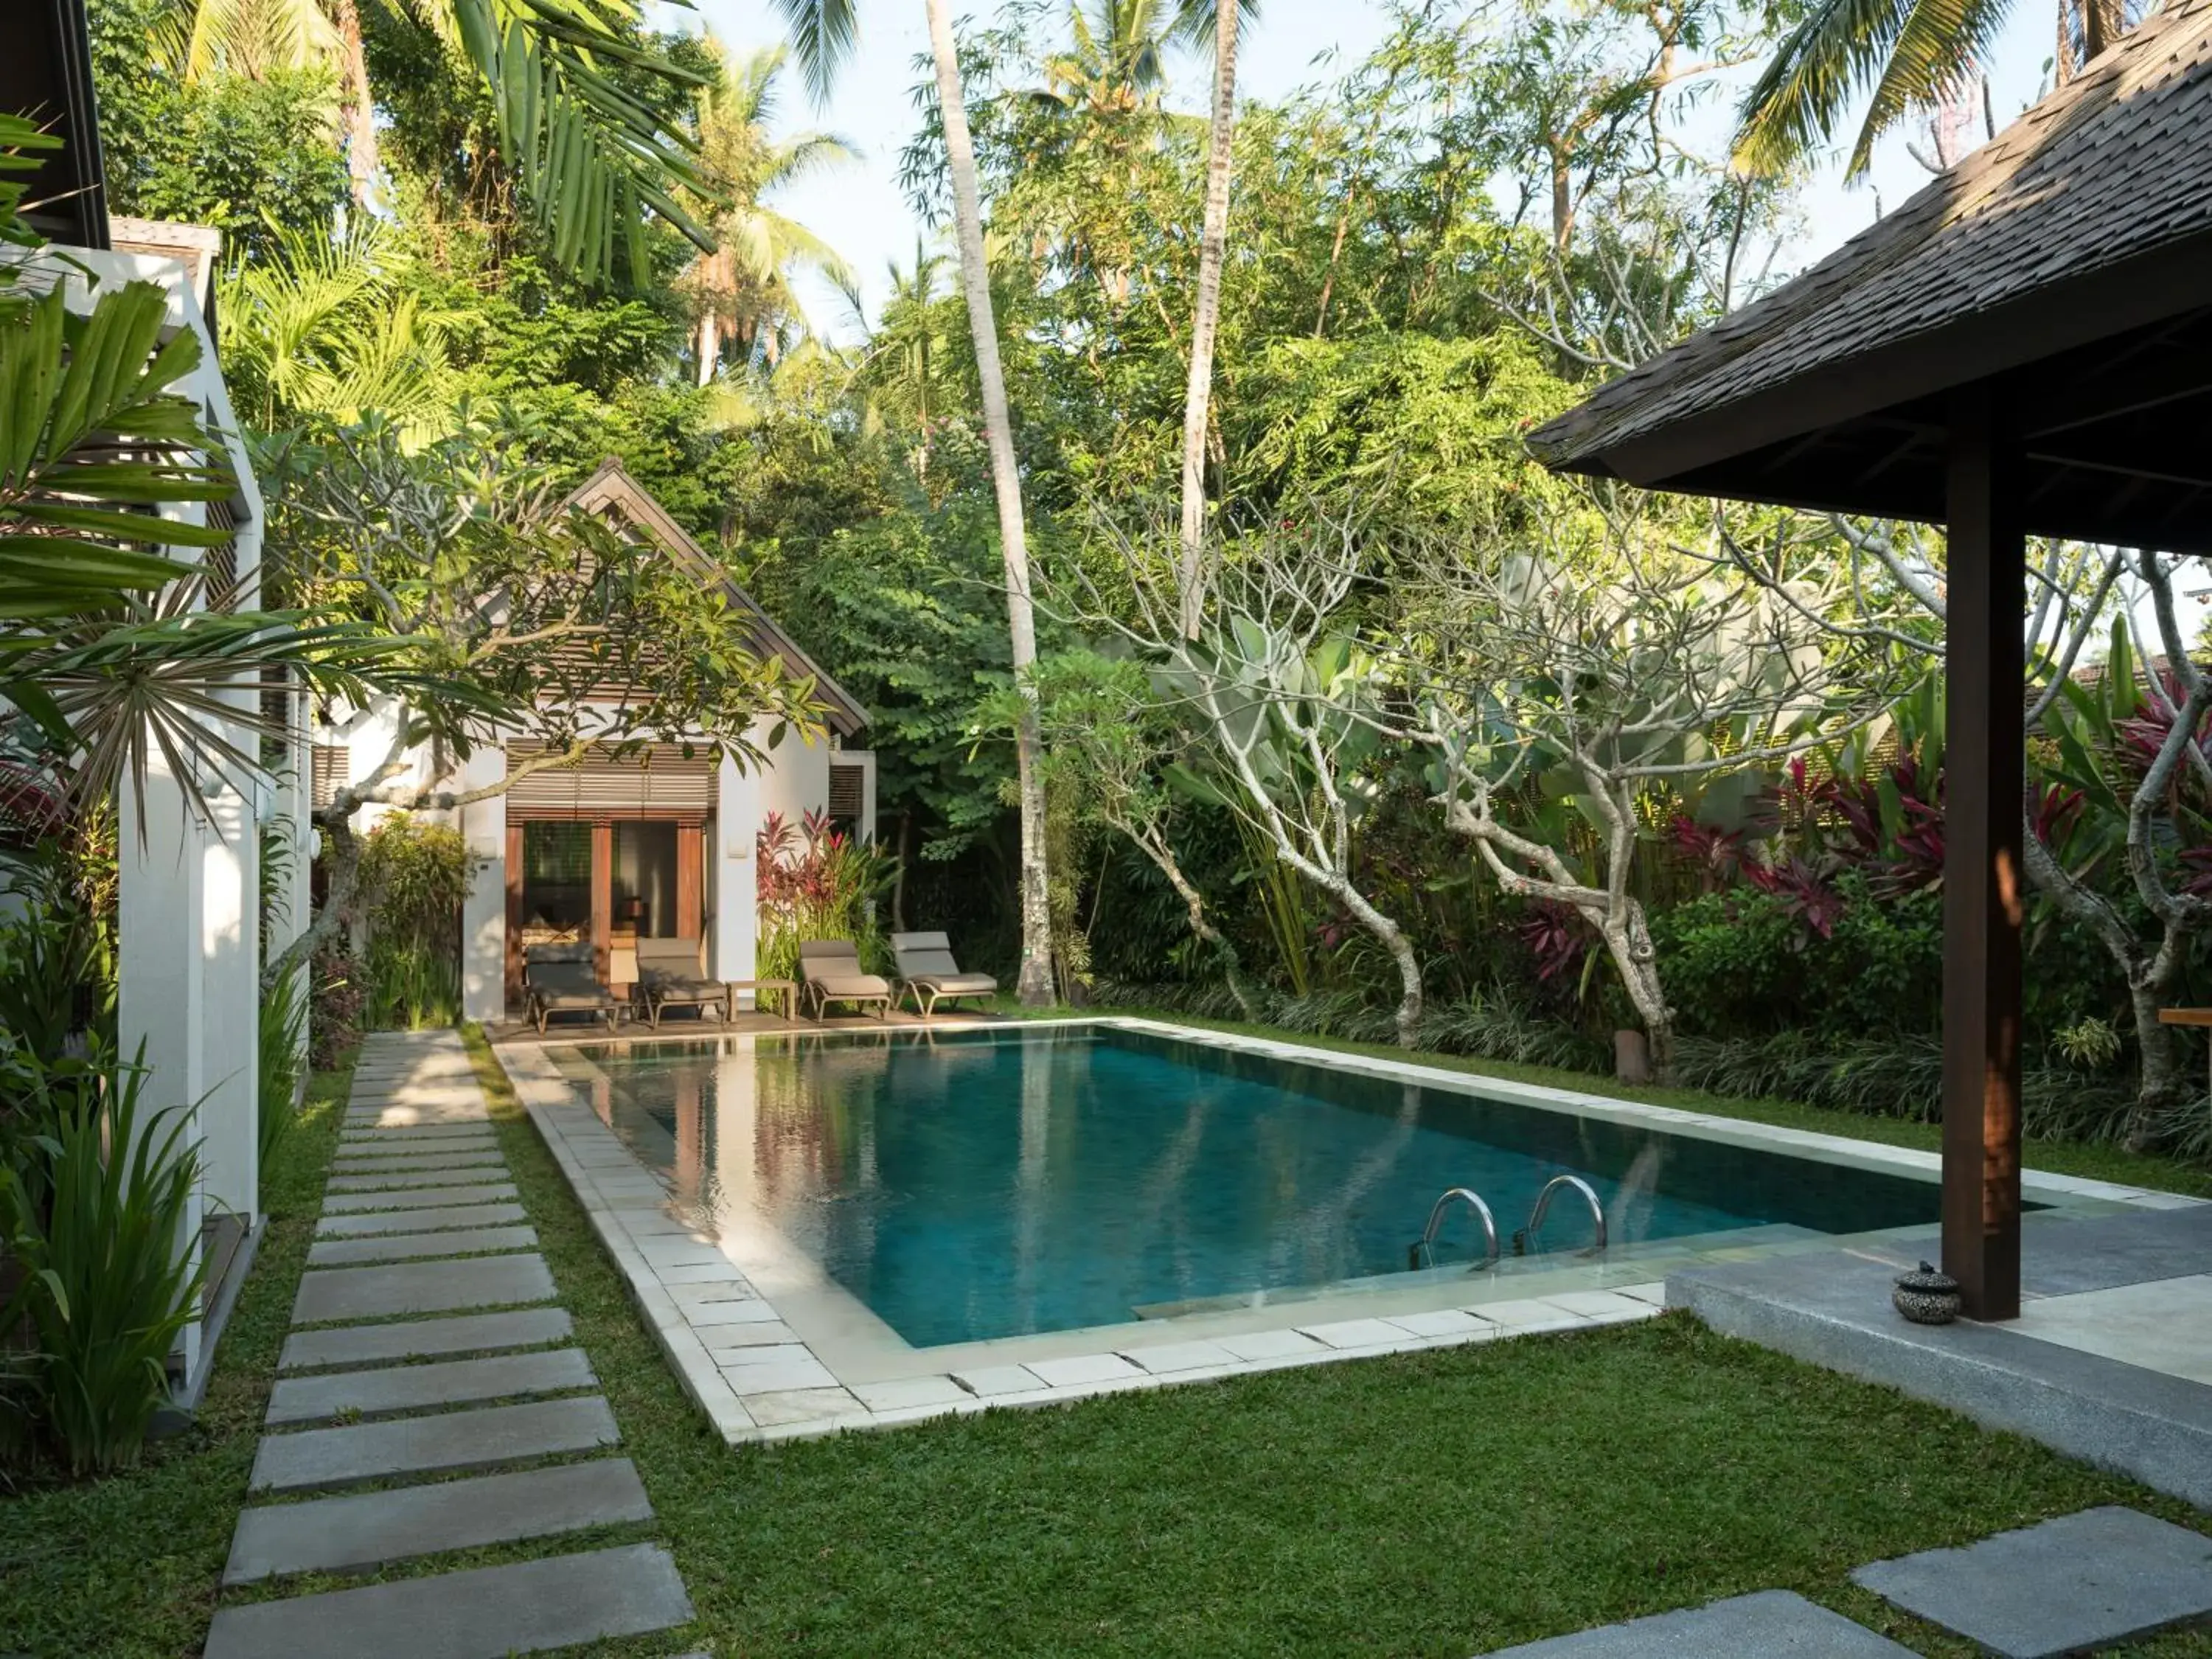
126 1567
1439 1503
2096 1163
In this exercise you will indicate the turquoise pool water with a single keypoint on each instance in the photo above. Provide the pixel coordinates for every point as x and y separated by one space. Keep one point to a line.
996 1183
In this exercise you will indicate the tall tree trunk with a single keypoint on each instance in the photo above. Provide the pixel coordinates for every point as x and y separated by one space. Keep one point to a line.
1212 248
1035 985
357 107
709 346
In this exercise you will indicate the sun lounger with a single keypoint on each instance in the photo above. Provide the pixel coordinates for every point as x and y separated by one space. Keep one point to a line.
668 976
927 970
560 979
829 971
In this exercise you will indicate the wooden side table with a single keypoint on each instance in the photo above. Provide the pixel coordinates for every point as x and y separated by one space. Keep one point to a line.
788 989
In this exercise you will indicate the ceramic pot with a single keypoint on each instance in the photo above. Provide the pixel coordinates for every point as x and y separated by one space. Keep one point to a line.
1928 1297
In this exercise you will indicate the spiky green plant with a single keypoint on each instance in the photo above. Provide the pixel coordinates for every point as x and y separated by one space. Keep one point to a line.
110 1283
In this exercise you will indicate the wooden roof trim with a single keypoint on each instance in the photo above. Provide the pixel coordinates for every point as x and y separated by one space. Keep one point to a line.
611 484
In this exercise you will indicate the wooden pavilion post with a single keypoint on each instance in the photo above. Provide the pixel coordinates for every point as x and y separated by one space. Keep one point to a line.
1984 785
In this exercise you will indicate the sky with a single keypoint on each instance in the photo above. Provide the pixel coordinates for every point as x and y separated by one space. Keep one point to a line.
860 211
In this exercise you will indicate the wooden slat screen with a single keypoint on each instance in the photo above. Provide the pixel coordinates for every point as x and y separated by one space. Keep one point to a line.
847 789
329 764
660 781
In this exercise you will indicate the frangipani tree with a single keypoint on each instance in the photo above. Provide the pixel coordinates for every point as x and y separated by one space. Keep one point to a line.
1604 667
1106 718
1287 701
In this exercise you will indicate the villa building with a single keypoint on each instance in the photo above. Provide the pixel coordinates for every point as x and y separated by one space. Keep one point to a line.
652 843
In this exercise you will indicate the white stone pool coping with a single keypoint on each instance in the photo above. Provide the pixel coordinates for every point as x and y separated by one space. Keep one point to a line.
779 1360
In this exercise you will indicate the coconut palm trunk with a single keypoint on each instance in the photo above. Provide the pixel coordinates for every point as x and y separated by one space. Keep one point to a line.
1211 250
1035 984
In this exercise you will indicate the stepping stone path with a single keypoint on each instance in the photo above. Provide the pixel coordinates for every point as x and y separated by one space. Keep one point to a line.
1768 1625
2072 1585
428 1365
2078 1584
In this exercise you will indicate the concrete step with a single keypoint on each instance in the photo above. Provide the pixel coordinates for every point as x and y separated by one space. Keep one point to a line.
419 1339
364 1530
418 1220
421 1287
533 1606
392 1389
450 1443
418 1198
405 1247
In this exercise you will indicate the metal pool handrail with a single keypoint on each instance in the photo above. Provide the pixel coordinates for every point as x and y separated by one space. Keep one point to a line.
1474 1199
1528 1234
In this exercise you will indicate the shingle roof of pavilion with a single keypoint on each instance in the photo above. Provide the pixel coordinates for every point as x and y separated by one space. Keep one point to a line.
2113 167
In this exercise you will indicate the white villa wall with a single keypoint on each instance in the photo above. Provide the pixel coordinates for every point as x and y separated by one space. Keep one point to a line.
160 988
483 917
732 929
188 996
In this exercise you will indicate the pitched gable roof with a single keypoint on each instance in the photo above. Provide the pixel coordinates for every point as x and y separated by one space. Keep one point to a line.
2103 189
611 494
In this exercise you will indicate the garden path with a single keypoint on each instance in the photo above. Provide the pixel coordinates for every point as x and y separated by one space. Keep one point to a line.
431 1400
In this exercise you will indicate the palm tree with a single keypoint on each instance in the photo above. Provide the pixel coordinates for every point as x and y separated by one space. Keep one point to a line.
1206 320
743 287
1916 55
900 365
590 157
823 33
1116 58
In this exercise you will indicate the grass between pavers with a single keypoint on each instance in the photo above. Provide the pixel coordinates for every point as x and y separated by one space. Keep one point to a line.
128 1567
1442 1502
2068 1158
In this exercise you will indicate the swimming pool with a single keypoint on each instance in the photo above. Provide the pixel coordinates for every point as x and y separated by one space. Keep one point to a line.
968 1186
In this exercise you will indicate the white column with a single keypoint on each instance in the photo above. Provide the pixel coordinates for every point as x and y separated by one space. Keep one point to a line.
230 1003
160 970
483 917
737 821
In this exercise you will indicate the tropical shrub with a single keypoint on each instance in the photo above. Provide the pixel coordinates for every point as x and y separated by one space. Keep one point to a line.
416 876
280 1059
106 1289
816 882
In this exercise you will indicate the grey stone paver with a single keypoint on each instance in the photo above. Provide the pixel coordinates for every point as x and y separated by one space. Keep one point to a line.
404 1246
421 1134
2083 1581
528 1607
362 1530
410 1180
447 1443
1771 1625
425 1157
393 1389
421 1287
420 1218
416 1339
419 1221
419 1198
